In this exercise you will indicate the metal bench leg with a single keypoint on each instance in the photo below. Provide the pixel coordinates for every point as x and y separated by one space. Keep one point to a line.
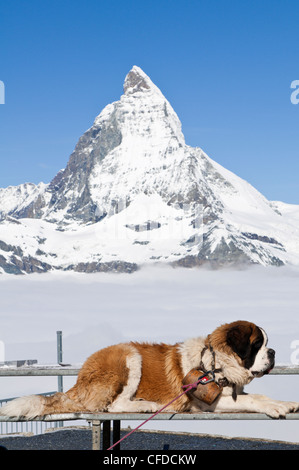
116 433
96 434
106 434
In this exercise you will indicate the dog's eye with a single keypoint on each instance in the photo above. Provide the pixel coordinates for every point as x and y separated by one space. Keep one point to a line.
258 344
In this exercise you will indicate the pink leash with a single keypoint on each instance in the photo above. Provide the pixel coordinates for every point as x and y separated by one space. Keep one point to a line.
187 387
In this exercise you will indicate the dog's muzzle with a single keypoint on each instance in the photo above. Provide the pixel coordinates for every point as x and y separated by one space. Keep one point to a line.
269 366
271 357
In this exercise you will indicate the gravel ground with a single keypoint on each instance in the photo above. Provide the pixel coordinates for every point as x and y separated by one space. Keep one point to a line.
81 439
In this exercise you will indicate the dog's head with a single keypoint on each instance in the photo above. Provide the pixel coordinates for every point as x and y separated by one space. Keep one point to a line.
248 343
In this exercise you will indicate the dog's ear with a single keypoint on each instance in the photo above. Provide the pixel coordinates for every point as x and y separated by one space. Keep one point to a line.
238 338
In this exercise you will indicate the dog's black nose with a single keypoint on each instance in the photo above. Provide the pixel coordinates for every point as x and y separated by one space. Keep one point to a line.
271 353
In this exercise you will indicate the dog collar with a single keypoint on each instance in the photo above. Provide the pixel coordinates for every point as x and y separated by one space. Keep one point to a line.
222 381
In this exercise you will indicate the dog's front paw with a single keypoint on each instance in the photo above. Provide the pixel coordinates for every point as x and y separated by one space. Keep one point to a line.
279 409
293 406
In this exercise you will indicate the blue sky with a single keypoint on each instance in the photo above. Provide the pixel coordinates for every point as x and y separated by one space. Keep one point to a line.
225 66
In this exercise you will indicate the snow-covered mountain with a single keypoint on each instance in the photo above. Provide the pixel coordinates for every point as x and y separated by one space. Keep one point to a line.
133 192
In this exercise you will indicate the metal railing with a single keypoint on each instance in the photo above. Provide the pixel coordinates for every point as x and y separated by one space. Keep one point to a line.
33 426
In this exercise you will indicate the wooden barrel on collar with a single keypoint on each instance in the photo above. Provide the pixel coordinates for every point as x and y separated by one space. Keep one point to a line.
205 392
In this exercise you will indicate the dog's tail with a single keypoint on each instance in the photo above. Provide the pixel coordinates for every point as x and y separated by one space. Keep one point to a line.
33 406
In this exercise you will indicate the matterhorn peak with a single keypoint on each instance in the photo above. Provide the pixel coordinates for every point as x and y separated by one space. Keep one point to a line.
136 81
134 193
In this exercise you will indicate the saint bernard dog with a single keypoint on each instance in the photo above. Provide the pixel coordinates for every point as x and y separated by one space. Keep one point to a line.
144 377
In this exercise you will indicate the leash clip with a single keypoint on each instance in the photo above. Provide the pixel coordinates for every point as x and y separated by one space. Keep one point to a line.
204 380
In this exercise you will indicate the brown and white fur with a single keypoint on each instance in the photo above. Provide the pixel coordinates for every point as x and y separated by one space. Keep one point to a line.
142 377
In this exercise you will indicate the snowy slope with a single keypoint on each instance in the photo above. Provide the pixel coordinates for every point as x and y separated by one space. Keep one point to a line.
15 200
134 193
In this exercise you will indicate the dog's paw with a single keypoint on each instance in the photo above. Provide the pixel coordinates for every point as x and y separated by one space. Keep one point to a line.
143 406
279 409
293 406
133 406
